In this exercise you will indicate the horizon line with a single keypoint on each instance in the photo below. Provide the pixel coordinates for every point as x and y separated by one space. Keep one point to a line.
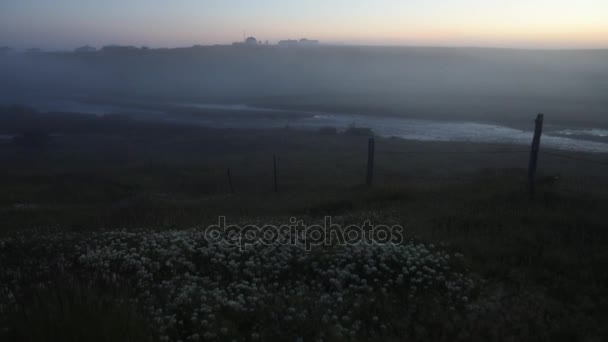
321 44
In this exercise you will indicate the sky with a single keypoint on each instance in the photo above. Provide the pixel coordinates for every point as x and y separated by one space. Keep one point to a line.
66 24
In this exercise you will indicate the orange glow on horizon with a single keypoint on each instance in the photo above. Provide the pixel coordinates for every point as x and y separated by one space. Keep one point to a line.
490 23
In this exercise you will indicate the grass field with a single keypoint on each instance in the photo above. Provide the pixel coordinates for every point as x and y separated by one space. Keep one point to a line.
80 217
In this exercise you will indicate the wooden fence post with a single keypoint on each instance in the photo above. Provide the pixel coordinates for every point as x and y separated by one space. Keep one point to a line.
274 160
230 181
370 161
538 130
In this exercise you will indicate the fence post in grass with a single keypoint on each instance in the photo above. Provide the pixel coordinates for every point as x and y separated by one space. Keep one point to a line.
370 161
274 161
538 130
230 181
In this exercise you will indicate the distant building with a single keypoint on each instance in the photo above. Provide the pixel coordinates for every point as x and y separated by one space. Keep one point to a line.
288 43
301 42
249 41
308 42
85 49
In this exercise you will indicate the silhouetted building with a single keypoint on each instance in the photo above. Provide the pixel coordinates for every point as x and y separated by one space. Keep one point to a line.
288 42
301 42
308 42
250 41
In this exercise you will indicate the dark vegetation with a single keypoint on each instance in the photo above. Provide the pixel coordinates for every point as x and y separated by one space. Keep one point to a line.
110 167
543 260
73 311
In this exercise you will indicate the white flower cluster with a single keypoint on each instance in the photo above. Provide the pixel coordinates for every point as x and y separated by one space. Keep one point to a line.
190 289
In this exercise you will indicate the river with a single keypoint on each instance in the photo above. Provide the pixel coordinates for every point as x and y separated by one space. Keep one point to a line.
576 139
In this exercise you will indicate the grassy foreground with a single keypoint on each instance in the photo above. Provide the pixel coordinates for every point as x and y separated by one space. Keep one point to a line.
102 239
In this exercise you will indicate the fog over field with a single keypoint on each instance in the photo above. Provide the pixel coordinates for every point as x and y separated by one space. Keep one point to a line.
348 170
489 85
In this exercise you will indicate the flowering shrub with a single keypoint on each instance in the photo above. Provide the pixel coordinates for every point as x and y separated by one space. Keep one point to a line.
190 289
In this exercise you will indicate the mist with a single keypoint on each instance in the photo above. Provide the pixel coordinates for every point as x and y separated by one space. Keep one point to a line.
455 83
303 192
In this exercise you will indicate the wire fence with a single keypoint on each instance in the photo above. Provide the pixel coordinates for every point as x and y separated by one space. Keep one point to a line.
516 151
436 171
532 162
